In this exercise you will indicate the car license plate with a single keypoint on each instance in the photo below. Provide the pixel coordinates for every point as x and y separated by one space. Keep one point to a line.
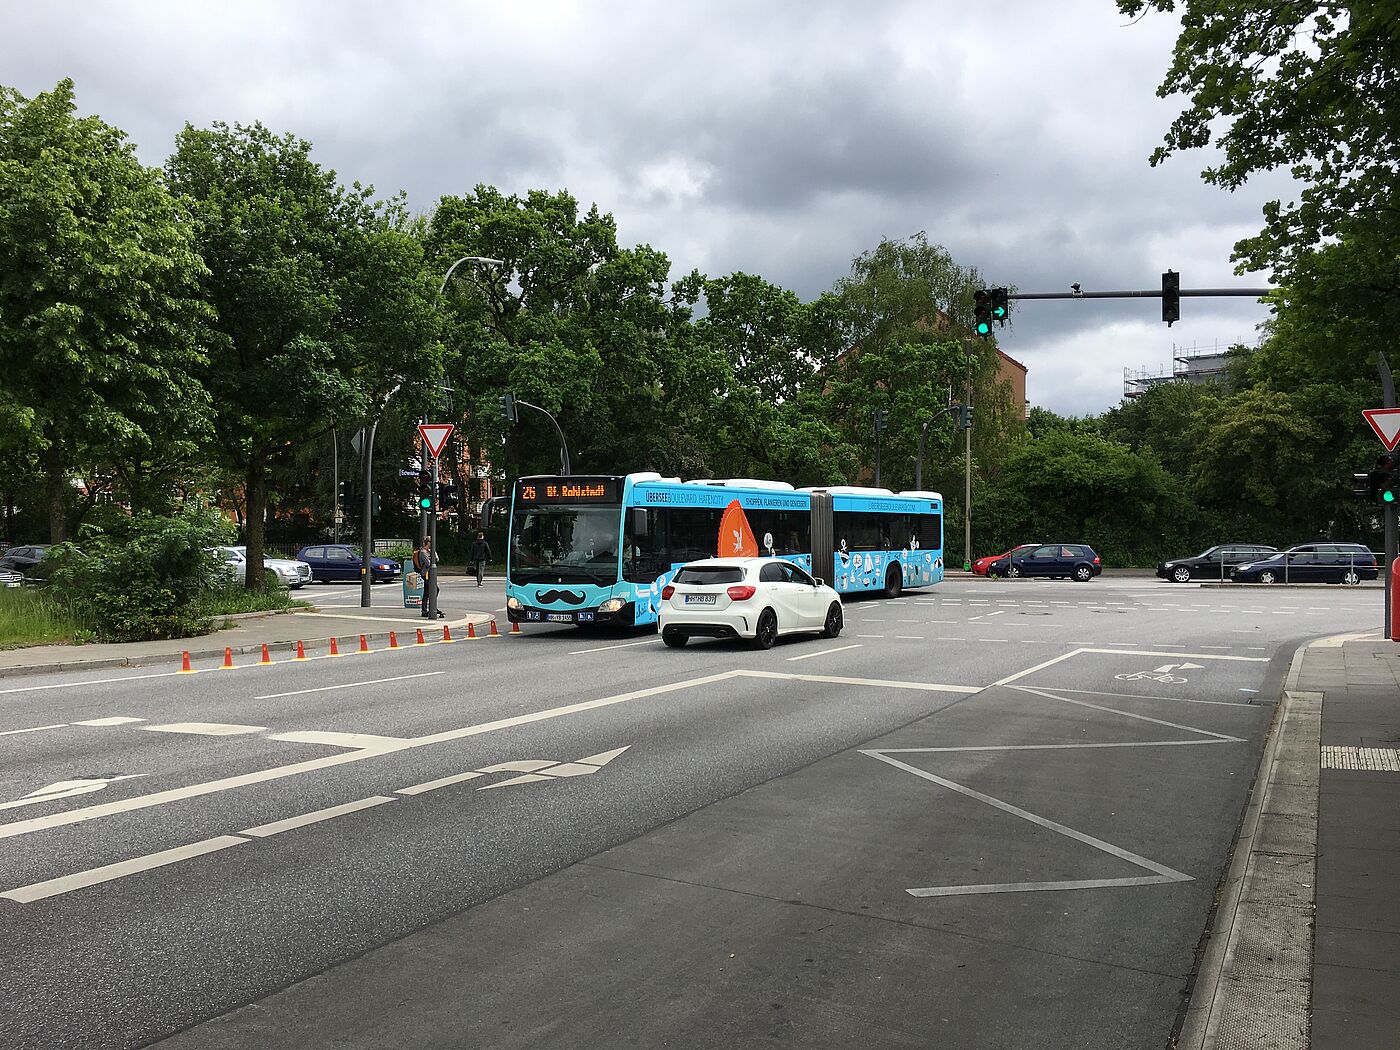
700 599
559 617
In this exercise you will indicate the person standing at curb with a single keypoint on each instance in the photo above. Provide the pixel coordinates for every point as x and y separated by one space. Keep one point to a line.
425 559
481 554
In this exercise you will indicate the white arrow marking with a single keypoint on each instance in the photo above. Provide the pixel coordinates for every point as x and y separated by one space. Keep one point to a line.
67 789
537 770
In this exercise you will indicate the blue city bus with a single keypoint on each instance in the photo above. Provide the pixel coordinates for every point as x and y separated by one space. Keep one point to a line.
598 549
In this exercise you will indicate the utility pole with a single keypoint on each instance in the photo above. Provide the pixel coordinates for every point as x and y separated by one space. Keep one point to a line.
335 485
967 488
367 507
1389 512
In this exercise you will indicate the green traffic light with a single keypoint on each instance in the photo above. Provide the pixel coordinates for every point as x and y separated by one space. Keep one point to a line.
998 312
425 502
984 328
1388 496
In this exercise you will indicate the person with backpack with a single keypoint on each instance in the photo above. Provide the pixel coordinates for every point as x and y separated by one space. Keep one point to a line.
480 555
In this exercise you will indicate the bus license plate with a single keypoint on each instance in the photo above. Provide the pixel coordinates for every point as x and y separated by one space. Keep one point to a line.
559 617
700 599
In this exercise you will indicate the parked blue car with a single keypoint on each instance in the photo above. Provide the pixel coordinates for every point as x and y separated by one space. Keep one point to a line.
339 561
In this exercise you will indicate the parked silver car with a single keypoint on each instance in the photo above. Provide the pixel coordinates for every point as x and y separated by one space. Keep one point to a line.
291 574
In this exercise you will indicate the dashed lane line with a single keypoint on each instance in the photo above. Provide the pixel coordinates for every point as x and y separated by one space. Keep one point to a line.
32 729
349 685
824 652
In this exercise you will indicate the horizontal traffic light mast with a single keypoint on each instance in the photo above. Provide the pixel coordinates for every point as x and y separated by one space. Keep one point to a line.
1171 293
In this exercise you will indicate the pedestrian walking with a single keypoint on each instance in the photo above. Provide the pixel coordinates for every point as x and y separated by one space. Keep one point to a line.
481 554
425 561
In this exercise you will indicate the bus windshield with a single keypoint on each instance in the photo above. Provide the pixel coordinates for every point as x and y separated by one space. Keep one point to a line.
564 543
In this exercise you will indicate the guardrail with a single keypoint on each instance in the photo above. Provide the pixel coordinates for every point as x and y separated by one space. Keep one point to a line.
1316 566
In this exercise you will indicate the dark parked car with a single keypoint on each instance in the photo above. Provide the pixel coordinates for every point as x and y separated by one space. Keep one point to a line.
1057 560
23 559
1312 563
1217 563
340 561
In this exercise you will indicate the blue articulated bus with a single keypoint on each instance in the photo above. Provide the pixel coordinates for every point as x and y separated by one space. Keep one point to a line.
598 549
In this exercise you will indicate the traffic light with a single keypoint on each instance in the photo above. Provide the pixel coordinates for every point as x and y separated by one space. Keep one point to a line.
964 417
1383 482
999 298
982 312
882 418
425 502
508 410
1171 297
374 504
345 494
447 495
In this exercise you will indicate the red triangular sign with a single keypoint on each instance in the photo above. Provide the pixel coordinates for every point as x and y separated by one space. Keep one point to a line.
435 437
1386 423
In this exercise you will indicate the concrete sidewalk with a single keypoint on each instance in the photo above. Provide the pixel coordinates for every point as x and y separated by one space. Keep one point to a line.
248 634
1305 946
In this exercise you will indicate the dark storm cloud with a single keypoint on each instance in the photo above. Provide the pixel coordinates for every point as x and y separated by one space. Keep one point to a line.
779 138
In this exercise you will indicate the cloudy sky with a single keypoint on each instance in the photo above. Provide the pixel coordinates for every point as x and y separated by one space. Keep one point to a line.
777 138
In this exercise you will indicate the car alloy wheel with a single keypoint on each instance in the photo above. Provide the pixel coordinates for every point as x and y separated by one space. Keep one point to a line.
1083 574
1268 576
1181 574
1013 571
834 621
1352 578
766 632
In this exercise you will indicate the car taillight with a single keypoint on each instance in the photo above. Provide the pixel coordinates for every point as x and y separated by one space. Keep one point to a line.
1096 559
741 592
666 592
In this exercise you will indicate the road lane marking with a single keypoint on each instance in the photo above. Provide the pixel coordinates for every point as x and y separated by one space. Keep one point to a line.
824 652
1001 681
205 728
1128 714
1145 696
985 616
908 638
350 685
932 687
352 740
108 872
32 729
263 831
115 720
605 648
1192 656
441 782
93 681
67 789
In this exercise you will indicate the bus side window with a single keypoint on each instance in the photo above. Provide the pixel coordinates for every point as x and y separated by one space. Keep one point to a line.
644 545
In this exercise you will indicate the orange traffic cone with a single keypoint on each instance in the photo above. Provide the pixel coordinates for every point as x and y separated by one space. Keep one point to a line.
471 631
421 640
364 644
301 650
228 659
266 656
393 640
447 634
494 633
335 649
185 667
514 628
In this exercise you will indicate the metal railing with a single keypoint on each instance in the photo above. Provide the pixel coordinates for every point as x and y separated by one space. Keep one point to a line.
1321 566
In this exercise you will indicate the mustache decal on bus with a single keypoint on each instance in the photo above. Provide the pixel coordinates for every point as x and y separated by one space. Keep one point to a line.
568 597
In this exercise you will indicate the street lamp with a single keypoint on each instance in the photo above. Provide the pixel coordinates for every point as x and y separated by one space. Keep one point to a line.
466 258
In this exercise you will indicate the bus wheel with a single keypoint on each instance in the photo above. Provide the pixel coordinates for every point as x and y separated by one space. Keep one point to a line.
894 582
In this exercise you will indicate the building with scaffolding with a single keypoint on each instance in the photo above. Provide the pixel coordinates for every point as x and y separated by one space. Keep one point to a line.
1193 364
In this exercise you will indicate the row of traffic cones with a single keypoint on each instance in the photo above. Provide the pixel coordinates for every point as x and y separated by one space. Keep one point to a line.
228 664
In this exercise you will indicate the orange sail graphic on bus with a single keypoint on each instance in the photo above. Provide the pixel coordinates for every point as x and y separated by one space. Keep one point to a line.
736 539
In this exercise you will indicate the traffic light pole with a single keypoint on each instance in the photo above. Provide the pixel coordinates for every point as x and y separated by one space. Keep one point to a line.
1147 293
367 517
967 489
432 581
1389 512
923 433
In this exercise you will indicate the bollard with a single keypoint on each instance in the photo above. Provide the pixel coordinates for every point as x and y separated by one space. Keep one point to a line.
228 659
393 640
335 649
364 644
447 634
266 656
301 650
185 667
421 640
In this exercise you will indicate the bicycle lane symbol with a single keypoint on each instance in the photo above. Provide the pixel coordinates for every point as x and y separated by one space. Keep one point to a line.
1159 674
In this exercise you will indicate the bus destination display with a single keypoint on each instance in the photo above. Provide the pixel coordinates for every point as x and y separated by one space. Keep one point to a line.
568 490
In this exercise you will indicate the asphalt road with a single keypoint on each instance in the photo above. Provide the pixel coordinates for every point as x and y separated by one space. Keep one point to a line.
989 814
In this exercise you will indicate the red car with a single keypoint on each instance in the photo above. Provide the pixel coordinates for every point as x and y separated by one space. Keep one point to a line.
979 567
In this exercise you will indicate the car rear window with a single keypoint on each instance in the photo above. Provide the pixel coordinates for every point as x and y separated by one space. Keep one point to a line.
713 574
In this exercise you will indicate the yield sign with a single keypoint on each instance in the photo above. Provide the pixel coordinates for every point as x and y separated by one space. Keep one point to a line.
1386 423
435 436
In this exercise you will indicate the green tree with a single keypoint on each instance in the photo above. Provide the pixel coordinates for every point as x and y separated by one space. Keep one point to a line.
1307 86
102 324
323 303
1165 421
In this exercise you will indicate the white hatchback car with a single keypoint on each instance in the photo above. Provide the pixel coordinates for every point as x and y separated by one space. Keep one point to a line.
754 598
